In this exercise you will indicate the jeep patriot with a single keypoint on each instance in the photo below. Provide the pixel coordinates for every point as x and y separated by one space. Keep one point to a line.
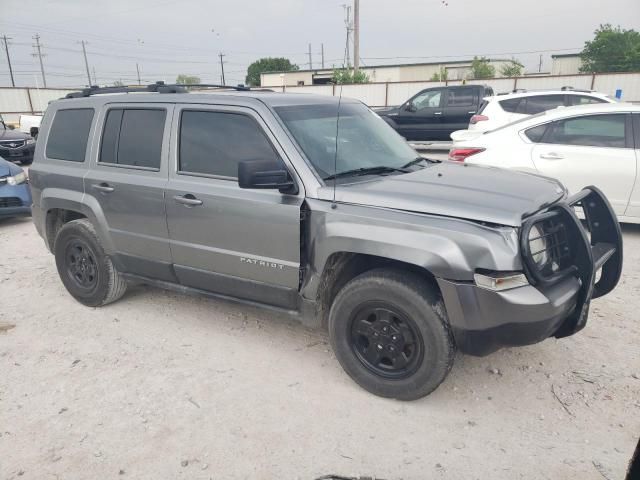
315 206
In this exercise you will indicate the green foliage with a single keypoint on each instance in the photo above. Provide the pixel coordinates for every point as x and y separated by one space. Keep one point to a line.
268 64
345 75
512 69
440 76
183 79
612 50
481 68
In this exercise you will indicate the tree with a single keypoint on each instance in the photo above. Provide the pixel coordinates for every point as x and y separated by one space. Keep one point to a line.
611 50
183 79
268 64
512 69
440 76
118 83
481 68
345 75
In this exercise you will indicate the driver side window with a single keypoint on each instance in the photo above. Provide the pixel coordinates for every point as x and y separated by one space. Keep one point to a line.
428 99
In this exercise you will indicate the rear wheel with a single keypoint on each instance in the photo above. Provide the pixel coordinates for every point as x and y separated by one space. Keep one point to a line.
390 334
84 268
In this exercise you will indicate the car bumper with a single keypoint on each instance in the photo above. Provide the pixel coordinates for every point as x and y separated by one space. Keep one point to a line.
15 200
485 320
21 154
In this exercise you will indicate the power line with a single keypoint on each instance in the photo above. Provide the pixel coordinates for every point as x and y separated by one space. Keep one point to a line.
6 49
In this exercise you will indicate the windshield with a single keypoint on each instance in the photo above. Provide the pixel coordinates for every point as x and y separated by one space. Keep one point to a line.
365 141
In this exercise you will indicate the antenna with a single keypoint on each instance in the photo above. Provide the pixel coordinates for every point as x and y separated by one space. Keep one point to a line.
335 157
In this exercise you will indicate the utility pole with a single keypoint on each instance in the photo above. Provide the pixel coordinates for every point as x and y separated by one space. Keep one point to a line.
95 80
322 54
6 49
138 70
540 64
347 22
39 55
86 63
356 35
221 55
310 60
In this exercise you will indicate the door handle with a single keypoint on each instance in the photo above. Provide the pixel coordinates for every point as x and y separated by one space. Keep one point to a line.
551 156
103 187
188 200
472 112
437 113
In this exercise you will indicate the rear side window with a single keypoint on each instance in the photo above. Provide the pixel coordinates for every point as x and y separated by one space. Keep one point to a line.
540 103
590 130
583 100
535 134
213 143
462 97
69 134
133 137
510 105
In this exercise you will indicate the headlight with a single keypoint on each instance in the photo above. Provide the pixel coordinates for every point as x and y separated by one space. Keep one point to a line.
17 179
31 141
538 246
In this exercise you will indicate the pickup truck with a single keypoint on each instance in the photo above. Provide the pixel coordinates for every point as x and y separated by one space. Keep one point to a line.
435 113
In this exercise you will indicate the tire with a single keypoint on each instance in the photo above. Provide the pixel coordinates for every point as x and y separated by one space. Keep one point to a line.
85 270
417 336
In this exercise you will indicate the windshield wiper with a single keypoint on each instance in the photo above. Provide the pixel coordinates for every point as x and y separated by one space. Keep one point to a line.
366 171
417 160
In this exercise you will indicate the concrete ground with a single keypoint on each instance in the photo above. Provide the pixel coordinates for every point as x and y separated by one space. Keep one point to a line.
163 385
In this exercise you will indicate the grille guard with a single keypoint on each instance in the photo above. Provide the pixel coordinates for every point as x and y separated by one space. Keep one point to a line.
603 250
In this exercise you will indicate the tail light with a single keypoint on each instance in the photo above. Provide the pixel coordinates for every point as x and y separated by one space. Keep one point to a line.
461 154
478 118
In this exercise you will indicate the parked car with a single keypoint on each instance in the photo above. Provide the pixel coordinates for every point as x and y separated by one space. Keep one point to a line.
16 146
595 144
502 109
15 196
434 113
266 198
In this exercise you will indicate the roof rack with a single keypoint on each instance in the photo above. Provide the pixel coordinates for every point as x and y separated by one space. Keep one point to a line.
157 87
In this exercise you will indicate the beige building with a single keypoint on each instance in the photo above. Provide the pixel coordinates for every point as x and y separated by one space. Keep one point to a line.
566 64
458 70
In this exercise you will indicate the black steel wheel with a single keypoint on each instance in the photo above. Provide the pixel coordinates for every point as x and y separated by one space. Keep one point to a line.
386 340
81 265
389 331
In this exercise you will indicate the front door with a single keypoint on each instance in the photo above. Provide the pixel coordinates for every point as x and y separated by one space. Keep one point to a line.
591 150
127 179
235 242
421 117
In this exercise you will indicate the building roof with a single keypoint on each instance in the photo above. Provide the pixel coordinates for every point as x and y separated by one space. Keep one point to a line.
566 55
394 65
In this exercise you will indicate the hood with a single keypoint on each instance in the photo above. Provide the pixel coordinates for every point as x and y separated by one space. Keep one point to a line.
6 134
470 192
8 168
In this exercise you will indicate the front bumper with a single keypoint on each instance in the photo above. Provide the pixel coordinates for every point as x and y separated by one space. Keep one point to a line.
484 320
22 154
15 200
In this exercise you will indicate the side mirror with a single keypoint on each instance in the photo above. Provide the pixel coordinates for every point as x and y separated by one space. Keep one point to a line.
409 107
265 174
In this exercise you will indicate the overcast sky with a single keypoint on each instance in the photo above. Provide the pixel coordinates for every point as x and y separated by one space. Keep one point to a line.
168 37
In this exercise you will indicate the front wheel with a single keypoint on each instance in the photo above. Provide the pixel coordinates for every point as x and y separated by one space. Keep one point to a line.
390 333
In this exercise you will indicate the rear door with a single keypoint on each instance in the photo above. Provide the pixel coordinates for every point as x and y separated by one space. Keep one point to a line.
127 179
228 240
633 210
420 118
591 150
461 104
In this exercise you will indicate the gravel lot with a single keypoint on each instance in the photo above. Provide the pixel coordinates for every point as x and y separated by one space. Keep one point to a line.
163 385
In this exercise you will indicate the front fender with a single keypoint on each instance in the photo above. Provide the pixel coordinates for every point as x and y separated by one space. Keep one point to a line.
448 248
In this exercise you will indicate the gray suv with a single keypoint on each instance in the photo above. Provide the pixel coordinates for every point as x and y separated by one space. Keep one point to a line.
314 206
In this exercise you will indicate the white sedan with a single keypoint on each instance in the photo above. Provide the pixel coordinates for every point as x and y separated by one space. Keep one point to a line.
586 145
